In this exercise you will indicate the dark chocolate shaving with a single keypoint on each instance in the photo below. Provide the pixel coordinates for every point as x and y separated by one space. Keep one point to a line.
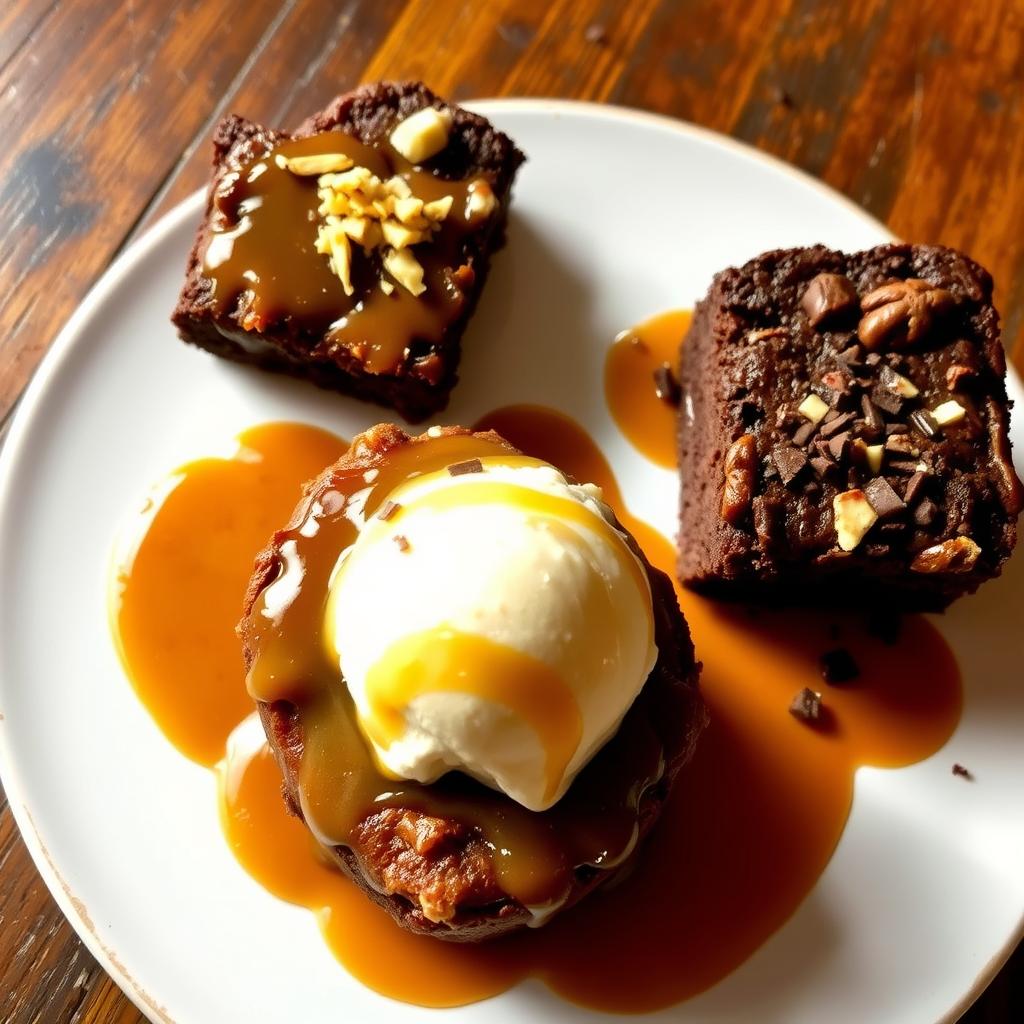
884 500
666 386
838 666
822 466
896 428
840 422
462 468
924 422
789 461
806 705
872 417
962 772
915 485
804 433
887 400
925 513
837 445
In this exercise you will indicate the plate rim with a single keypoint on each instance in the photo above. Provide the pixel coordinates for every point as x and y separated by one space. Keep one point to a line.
28 406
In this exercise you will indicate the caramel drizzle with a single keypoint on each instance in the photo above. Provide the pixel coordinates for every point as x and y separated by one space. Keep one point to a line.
535 854
262 254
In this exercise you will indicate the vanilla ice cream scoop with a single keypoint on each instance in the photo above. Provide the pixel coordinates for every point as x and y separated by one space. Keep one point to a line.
493 621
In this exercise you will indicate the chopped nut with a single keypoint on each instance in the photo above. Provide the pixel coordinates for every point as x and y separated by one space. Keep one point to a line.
480 202
314 164
398 187
438 209
409 211
341 259
948 413
854 516
957 555
812 408
901 313
423 134
740 466
806 705
398 236
955 374
875 453
386 286
405 269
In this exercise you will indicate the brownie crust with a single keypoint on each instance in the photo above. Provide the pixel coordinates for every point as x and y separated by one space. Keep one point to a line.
422 383
759 479
399 854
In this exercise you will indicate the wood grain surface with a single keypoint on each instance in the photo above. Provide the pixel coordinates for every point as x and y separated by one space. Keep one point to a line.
913 110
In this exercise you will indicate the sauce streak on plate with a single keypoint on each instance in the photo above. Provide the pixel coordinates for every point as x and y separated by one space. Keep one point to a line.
751 825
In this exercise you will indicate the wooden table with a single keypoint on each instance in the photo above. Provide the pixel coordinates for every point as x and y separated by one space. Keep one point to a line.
913 110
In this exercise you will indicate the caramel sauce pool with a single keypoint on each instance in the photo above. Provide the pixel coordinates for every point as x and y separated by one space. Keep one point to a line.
752 822
648 422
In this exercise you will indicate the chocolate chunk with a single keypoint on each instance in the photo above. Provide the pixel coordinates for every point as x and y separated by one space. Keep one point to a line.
884 500
402 542
822 466
964 773
806 705
840 422
804 433
872 417
901 446
896 428
838 666
837 381
462 468
850 358
885 625
915 485
876 550
925 513
837 445
887 400
923 421
388 510
666 386
828 297
789 461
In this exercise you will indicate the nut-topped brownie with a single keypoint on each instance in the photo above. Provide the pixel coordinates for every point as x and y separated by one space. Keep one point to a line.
352 251
843 431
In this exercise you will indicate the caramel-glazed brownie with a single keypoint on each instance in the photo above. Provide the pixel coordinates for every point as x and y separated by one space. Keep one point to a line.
431 855
843 431
352 251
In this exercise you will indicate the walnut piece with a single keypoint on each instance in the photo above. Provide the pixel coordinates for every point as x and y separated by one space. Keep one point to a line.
956 555
901 313
740 466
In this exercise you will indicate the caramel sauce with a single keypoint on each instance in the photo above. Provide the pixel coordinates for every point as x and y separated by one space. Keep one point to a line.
751 824
448 661
648 422
340 780
262 246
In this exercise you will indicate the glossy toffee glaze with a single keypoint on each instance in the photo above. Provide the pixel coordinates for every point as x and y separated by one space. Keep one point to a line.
648 421
263 246
752 822
340 781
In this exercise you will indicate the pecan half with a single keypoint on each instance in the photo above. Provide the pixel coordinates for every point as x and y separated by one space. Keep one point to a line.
901 313
957 555
740 466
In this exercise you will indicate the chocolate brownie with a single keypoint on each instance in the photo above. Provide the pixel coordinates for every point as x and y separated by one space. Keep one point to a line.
843 431
428 854
352 251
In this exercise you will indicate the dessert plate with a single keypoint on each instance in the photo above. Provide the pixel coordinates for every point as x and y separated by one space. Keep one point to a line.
617 216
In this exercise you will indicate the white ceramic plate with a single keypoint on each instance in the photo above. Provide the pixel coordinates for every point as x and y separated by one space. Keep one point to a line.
923 899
